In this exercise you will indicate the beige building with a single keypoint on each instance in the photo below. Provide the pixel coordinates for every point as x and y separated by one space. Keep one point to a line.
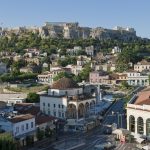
141 66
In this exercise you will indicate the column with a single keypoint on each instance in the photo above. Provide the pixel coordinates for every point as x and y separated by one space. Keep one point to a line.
135 82
144 121
136 125
128 128
77 113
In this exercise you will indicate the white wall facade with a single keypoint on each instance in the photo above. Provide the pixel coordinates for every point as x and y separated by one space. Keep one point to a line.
55 106
135 78
69 92
137 111
23 127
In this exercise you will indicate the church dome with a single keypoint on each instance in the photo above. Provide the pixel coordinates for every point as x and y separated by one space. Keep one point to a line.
64 83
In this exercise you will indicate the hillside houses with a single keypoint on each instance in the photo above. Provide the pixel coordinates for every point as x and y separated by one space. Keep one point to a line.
142 66
132 77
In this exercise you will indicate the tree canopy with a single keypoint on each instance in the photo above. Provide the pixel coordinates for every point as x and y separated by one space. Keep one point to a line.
33 98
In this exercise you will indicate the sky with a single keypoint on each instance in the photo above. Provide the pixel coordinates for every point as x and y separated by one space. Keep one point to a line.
92 13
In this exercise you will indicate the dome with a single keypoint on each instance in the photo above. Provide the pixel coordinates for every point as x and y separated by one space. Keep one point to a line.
64 83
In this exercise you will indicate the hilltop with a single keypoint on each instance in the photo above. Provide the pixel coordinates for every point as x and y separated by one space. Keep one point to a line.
72 30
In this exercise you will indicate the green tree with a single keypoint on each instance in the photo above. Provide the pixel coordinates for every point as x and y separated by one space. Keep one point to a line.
84 74
7 142
125 85
40 134
48 132
33 98
68 60
61 75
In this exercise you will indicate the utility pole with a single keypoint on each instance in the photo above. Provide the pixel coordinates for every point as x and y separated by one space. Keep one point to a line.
121 120
117 119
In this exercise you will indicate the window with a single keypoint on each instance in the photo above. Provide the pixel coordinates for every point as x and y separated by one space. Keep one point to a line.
62 106
17 129
31 124
60 114
132 123
54 105
59 105
148 127
48 104
140 125
43 104
54 113
27 126
63 115
22 127
49 112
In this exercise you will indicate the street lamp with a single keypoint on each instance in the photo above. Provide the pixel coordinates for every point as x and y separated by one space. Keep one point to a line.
56 128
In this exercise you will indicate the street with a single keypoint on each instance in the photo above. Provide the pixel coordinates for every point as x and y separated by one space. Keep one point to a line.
87 141
116 115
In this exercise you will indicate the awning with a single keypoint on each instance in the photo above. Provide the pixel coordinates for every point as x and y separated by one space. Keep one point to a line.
116 131
146 147
140 140
121 131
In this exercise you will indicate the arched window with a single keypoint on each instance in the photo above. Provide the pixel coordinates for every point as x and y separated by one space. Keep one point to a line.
148 127
140 125
132 123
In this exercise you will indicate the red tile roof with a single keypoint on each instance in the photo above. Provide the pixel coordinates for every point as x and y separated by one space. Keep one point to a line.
143 98
28 109
21 118
43 119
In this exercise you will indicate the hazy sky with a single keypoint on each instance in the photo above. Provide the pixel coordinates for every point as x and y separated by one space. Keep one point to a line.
93 13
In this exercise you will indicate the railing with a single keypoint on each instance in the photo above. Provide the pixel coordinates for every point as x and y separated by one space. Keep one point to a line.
143 107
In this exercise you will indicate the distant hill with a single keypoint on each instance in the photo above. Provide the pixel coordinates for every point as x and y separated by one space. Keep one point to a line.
71 30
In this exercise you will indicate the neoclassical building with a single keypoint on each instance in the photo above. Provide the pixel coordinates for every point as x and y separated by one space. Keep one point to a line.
66 100
138 115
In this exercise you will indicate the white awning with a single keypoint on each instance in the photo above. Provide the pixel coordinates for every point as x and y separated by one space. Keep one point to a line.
117 131
140 140
146 147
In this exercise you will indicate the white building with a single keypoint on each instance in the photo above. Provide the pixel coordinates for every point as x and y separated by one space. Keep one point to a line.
136 78
74 50
66 100
46 77
12 101
13 98
138 115
142 65
89 50
115 50
20 126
